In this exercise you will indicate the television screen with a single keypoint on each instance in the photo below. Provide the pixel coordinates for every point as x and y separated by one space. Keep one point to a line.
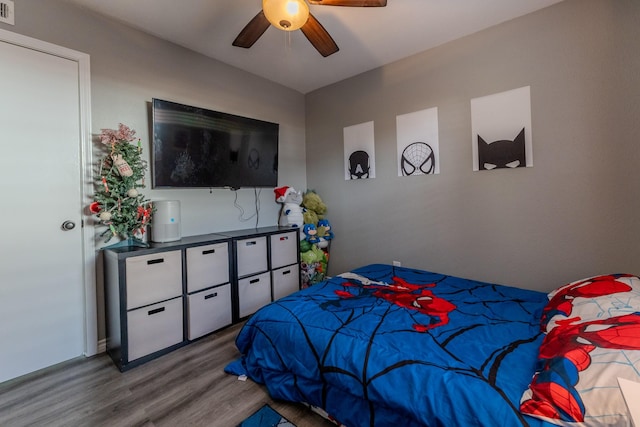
196 147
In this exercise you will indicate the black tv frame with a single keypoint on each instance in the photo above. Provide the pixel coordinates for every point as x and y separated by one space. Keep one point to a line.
194 147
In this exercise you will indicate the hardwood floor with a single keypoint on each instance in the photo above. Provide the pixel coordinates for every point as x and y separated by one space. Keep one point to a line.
184 388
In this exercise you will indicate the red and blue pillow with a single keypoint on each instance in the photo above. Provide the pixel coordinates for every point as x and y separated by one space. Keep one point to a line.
592 329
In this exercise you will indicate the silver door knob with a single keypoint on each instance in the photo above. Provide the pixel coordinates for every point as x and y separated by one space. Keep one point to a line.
68 225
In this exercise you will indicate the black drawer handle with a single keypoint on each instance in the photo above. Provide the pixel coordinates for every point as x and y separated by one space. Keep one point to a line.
156 310
284 238
286 272
210 251
251 243
254 281
155 261
215 294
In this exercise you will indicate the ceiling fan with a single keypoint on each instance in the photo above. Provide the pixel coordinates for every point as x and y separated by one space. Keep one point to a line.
290 15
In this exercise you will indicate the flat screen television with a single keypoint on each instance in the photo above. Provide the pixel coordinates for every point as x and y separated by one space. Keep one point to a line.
194 147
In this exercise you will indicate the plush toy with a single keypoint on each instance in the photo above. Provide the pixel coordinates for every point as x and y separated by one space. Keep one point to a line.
314 266
324 233
311 233
310 217
313 255
304 245
315 207
324 229
291 212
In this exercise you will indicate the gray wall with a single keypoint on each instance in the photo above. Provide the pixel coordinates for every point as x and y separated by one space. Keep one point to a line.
129 68
574 214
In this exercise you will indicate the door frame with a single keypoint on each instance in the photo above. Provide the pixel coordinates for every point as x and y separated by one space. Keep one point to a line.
87 229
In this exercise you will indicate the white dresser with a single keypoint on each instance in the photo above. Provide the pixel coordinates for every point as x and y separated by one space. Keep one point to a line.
165 296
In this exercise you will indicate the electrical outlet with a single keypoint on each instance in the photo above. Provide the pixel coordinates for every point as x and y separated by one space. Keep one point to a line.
7 12
397 264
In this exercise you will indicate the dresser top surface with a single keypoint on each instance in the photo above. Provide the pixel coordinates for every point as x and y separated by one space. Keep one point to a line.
201 239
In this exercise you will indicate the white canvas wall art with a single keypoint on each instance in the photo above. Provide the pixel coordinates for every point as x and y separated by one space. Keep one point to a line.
501 130
418 151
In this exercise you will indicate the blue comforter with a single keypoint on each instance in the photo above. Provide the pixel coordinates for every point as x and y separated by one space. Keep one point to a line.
390 346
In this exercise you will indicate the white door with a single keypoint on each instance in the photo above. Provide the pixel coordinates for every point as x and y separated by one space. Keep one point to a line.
42 263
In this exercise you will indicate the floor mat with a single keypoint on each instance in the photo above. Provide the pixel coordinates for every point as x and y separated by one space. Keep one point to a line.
266 417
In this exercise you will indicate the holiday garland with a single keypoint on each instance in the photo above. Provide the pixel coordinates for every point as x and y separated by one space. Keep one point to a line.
117 202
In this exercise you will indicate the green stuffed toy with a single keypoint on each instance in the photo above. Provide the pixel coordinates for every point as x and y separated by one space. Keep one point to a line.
315 262
310 217
304 246
314 254
315 207
314 259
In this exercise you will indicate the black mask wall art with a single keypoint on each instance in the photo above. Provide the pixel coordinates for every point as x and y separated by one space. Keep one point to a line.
359 165
502 154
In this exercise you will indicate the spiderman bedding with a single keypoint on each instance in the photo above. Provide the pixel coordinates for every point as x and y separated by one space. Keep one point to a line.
391 346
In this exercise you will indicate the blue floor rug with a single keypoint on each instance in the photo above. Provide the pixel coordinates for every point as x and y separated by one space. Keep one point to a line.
266 417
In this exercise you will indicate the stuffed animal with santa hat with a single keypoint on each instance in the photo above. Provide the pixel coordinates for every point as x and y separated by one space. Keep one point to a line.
291 213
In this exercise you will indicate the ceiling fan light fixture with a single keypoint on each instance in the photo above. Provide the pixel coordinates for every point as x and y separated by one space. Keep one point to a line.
287 15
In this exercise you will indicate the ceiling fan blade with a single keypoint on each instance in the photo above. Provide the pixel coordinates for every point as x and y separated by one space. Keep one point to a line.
319 37
351 3
252 32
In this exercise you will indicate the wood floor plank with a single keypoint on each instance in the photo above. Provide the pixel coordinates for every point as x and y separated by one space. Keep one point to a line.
185 387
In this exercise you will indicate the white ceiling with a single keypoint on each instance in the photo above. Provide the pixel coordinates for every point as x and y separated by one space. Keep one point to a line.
367 37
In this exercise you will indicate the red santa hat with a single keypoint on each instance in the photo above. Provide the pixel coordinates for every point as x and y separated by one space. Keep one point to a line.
281 193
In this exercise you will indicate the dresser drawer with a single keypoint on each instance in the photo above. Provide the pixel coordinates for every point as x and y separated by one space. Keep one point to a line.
209 310
252 255
153 278
207 266
253 293
285 281
284 249
154 328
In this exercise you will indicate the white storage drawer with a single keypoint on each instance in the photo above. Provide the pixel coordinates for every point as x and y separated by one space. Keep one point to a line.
154 327
285 281
252 255
284 249
207 266
209 310
153 278
253 293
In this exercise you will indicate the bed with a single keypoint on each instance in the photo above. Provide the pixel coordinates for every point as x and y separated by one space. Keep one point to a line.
391 346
